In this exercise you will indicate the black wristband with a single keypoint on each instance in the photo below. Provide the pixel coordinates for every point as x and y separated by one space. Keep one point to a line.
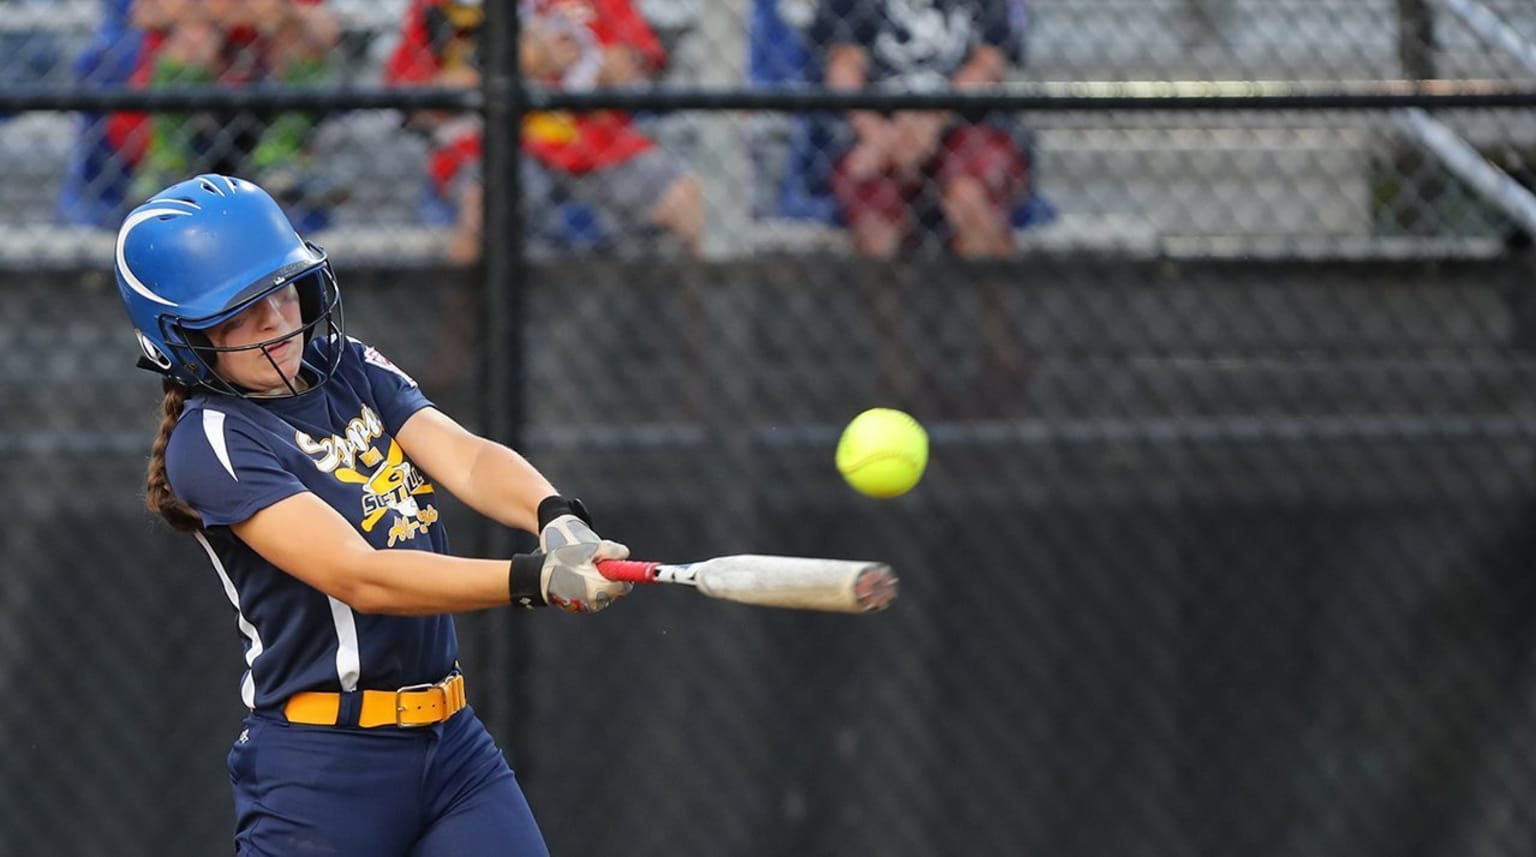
554 506
523 580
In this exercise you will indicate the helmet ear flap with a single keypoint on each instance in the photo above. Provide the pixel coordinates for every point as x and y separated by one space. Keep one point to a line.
149 363
191 347
151 357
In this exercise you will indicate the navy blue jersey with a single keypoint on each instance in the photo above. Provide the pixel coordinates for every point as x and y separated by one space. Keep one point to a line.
912 46
915 45
228 458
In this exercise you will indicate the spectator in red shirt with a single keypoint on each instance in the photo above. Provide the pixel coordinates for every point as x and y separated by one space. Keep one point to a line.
599 159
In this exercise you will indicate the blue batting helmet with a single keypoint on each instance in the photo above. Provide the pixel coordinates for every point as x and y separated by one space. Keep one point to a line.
199 252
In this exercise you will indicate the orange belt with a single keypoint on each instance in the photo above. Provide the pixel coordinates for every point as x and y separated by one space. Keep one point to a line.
417 705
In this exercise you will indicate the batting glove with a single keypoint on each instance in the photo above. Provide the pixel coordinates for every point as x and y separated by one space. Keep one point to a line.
567 577
564 571
564 521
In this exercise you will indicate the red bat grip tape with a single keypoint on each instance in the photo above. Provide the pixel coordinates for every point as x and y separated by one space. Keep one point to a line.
628 570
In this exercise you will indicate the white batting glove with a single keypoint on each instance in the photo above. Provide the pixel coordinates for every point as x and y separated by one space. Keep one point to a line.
571 581
566 530
566 571
567 577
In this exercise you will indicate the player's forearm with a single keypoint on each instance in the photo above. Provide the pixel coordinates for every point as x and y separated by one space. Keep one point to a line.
987 65
621 65
847 67
505 487
421 583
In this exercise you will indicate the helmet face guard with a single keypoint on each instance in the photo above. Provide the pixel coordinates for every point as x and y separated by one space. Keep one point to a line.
200 252
320 315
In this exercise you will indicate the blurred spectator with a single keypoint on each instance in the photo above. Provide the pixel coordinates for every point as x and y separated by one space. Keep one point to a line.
898 176
95 187
169 43
594 162
235 43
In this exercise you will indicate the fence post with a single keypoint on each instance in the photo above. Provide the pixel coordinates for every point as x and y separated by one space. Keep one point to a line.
502 368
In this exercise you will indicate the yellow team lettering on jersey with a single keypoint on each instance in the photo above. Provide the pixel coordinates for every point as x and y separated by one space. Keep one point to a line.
392 487
407 528
389 484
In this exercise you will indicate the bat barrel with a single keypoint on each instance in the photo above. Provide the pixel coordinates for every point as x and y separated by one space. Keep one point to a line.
839 586
835 585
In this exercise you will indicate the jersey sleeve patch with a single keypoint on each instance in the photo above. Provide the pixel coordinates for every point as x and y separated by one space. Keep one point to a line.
374 356
395 394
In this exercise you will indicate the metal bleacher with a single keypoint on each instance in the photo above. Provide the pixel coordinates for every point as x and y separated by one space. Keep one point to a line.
1248 182
1159 183
1140 182
1212 39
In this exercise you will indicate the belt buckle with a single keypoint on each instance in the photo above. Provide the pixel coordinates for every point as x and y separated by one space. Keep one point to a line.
400 709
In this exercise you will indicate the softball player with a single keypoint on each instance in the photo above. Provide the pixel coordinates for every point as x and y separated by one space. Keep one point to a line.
299 459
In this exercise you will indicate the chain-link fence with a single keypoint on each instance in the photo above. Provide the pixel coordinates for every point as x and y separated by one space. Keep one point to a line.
1223 546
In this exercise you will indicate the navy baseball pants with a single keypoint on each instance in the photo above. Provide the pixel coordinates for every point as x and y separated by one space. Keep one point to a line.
433 791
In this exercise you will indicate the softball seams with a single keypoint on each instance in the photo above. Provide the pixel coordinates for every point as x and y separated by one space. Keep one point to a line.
877 457
910 424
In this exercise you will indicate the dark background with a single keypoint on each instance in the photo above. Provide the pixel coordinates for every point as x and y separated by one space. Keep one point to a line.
1225 546
1241 564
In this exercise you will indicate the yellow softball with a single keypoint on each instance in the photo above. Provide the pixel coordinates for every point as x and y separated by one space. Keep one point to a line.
883 452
